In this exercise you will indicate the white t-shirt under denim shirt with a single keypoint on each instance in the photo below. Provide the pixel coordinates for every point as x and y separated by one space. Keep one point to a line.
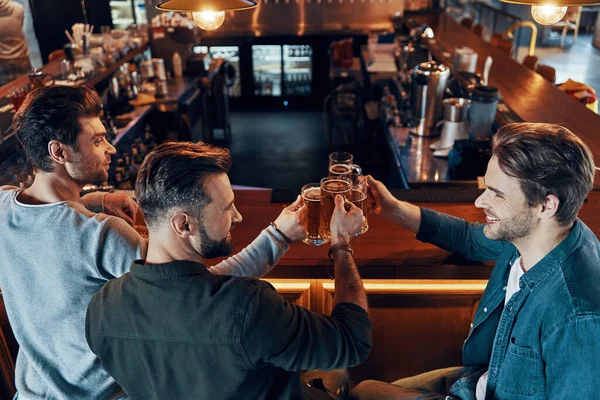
512 287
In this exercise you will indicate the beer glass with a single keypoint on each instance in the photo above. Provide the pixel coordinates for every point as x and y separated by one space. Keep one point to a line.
358 197
311 194
341 163
330 187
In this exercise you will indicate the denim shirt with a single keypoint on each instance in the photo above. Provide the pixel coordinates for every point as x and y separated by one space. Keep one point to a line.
545 343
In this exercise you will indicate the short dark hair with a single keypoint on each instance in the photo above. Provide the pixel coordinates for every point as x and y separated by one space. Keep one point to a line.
172 177
53 113
546 159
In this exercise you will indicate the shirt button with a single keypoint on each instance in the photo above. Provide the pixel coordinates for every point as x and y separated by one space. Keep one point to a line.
484 309
504 288
471 326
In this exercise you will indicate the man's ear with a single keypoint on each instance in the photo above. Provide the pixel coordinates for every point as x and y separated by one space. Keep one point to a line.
549 207
57 152
184 225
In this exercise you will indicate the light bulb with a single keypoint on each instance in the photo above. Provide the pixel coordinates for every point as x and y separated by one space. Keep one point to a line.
209 20
547 14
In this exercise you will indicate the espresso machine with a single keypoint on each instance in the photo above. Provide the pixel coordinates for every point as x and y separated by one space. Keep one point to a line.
428 84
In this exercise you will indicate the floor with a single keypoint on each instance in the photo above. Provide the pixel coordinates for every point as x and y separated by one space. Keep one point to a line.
288 149
578 61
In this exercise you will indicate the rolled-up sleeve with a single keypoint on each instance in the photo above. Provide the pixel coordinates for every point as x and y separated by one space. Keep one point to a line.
294 338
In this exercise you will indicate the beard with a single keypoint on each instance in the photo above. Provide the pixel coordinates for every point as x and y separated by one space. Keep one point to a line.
215 248
83 173
511 229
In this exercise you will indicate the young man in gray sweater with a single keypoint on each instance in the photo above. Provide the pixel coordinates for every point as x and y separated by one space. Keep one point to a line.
56 253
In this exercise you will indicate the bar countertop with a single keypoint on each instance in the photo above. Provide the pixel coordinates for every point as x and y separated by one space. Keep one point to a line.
385 251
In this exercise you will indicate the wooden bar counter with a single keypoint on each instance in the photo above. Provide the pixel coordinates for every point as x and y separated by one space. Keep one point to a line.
421 298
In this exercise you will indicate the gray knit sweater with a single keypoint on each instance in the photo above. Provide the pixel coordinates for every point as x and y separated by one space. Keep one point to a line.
53 258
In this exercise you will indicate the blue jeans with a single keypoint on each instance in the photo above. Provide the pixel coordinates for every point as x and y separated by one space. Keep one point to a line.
454 383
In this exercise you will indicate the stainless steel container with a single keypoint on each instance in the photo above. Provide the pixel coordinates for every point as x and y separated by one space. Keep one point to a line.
428 85
465 59
456 109
147 70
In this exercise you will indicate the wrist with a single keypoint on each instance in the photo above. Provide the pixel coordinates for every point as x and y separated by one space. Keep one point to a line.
285 237
338 249
339 239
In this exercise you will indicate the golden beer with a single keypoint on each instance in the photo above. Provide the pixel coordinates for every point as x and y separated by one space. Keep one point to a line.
311 194
330 187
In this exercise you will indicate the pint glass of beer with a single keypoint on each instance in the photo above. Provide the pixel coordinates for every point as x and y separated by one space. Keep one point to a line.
358 197
330 187
341 163
311 194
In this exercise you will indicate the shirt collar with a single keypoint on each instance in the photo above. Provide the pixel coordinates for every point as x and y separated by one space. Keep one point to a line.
554 259
160 271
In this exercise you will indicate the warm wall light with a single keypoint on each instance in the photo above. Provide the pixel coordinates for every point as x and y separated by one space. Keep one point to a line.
548 12
208 14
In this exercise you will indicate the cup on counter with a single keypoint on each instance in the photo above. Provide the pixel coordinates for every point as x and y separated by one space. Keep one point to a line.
465 59
311 195
331 186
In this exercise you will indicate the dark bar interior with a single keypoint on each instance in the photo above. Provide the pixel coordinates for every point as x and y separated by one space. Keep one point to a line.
414 90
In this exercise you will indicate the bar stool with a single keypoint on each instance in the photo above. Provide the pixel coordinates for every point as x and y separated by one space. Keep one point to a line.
56 55
467 22
478 30
504 45
547 72
530 62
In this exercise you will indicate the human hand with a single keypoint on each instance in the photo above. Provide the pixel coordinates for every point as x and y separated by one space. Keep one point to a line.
379 199
290 221
345 224
120 205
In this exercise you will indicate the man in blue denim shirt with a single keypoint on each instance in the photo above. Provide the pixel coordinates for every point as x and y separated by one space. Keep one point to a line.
537 329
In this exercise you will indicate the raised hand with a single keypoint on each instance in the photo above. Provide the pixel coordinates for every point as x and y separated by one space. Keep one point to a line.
290 221
345 223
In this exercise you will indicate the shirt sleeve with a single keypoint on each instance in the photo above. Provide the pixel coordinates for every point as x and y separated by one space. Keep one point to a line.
257 259
293 338
571 353
118 245
458 236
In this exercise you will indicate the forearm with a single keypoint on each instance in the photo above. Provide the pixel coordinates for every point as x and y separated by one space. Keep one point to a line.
348 284
257 259
406 215
93 201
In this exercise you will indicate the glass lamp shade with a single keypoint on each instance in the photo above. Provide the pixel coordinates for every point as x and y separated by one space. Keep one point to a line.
547 15
209 20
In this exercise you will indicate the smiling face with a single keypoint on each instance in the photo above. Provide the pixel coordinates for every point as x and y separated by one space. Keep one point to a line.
508 216
89 160
217 219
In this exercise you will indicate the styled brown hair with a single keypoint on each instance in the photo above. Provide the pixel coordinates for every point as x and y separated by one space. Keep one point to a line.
172 177
53 113
546 159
